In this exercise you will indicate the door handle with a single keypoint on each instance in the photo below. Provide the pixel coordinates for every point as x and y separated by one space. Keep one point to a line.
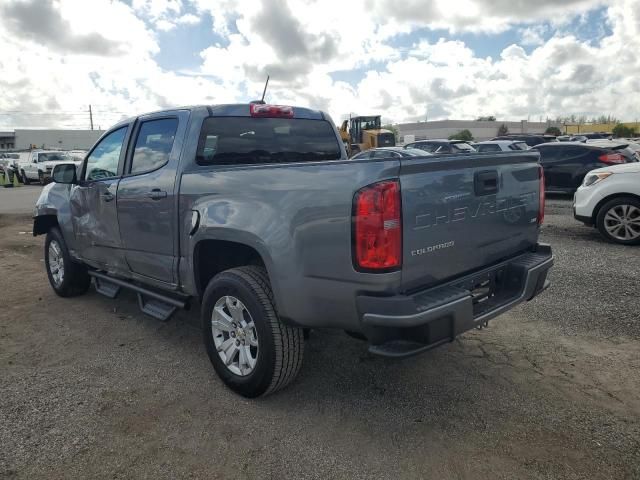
157 194
107 196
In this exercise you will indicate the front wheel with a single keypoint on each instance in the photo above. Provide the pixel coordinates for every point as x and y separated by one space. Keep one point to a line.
67 278
619 220
251 350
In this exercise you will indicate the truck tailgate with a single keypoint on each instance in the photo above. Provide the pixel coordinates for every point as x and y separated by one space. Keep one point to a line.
464 212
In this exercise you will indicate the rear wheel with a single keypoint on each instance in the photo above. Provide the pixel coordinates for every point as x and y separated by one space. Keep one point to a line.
251 350
67 278
619 220
25 179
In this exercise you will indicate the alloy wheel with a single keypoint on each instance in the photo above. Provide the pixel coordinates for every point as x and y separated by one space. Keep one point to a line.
622 222
56 263
234 335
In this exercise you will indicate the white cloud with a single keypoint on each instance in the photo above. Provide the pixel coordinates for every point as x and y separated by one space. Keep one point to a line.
102 52
534 35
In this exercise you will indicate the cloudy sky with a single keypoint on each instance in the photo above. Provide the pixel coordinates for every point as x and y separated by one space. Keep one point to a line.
405 59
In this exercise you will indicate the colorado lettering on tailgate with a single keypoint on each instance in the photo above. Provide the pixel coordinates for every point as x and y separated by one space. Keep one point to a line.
450 214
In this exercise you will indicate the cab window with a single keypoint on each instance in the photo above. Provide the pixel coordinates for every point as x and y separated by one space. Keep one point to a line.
154 144
103 161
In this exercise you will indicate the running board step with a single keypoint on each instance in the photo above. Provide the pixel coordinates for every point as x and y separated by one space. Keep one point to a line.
155 308
154 304
106 288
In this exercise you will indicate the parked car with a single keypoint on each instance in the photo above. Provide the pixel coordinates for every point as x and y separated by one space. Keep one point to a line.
390 152
595 135
442 146
8 159
631 147
39 165
500 146
566 163
257 211
529 138
609 199
77 155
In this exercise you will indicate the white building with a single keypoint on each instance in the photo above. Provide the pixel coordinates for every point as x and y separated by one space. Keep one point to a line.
24 139
479 130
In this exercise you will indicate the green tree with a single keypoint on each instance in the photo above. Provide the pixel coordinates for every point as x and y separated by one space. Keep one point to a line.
490 118
503 130
392 128
462 135
553 131
621 130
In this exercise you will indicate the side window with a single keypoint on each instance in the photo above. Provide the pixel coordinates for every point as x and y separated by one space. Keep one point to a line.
104 159
384 154
154 144
489 147
362 155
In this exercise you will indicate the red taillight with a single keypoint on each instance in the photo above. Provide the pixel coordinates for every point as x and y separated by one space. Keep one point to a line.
611 158
273 111
378 226
541 196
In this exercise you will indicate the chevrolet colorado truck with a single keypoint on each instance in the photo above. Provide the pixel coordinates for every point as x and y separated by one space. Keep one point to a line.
255 212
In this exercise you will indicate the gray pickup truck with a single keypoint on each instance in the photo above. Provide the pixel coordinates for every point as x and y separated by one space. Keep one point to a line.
256 212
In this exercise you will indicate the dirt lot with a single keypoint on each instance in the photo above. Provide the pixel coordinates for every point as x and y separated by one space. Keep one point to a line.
92 388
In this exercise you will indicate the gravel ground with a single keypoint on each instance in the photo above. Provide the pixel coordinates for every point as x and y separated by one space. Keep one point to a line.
92 388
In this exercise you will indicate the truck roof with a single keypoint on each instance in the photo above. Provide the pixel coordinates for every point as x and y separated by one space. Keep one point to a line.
233 110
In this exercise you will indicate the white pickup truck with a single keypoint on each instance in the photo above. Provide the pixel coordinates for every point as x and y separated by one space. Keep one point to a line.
40 163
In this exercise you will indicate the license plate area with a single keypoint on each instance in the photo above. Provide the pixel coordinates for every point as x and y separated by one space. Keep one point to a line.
491 289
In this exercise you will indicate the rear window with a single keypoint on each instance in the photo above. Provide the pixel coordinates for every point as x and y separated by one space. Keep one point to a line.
427 147
519 146
247 140
488 147
464 147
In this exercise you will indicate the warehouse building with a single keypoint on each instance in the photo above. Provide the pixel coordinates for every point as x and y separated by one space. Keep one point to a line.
479 129
25 139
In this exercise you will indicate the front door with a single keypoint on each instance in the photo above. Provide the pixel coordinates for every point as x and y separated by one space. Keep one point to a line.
93 202
146 201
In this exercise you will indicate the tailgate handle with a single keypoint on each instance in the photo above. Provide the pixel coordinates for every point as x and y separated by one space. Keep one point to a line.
486 182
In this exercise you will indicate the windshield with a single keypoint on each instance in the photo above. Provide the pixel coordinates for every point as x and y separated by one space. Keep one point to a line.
369 123
53 157
246 140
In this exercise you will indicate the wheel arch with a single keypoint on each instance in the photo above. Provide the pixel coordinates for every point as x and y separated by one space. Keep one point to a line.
43 223
212 256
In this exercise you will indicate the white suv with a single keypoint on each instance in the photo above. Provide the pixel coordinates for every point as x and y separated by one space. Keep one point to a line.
609 198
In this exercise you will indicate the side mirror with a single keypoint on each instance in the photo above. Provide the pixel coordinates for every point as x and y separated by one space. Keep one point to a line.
64 173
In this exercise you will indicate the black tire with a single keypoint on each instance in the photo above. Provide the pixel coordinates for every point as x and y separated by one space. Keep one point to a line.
75 279
281 347
609 206
25 179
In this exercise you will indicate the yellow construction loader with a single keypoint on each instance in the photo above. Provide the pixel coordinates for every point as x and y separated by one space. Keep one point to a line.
362 133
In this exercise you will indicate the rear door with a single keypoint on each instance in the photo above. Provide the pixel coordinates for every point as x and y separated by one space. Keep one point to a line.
463 212
147 197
